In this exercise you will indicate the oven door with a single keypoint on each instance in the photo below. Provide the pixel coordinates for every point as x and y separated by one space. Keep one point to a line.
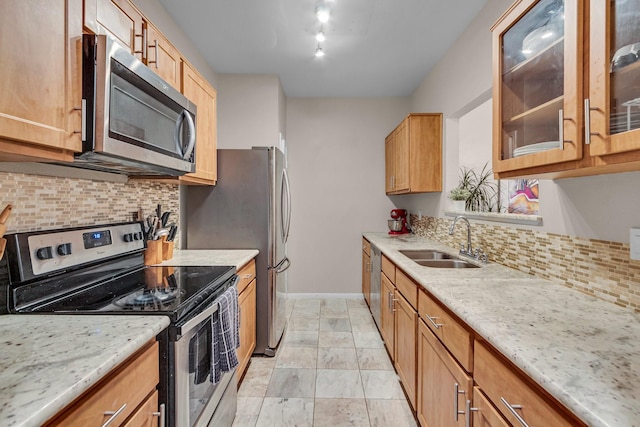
196 397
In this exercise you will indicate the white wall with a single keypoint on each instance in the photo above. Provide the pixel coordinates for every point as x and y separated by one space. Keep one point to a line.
601 207
250 110
336 165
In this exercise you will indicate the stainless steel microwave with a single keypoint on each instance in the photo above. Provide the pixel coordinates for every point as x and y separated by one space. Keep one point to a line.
135 123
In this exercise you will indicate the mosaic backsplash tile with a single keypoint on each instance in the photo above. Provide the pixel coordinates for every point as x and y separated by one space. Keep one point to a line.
43 202
596 267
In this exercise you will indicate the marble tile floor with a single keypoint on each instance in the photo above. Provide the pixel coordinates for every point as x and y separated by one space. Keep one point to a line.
330 370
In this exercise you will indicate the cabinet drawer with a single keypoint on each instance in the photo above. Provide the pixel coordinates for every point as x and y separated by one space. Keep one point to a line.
366 246
503 385
128 385
407 288
389 269
457 339
247 274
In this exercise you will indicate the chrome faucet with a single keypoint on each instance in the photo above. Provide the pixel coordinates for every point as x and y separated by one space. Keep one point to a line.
468 251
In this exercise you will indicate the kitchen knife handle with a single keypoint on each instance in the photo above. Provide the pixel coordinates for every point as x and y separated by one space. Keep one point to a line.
5 213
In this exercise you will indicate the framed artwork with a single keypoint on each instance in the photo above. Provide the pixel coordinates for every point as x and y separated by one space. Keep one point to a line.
523 196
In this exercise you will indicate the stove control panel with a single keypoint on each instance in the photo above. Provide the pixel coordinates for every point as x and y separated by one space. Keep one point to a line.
59 250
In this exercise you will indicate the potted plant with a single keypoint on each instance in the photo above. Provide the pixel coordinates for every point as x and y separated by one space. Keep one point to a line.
483 195
459 196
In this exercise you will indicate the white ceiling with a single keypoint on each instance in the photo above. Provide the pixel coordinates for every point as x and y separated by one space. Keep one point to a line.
373 47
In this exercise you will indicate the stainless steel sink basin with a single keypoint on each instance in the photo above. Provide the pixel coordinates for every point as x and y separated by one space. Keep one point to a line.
445 263
426 254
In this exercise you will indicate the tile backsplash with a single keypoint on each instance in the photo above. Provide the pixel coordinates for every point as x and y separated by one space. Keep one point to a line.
43 202
596 267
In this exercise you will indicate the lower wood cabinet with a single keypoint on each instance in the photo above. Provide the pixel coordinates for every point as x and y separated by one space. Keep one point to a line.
483 413
387 317
443 386
513 395
366 271
406 325
247 304
126 396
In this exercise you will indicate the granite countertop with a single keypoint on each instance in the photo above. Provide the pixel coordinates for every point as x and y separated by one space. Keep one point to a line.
47 361
582 350
236 257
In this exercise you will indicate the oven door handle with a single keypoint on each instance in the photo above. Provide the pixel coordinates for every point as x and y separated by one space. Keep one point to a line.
195 321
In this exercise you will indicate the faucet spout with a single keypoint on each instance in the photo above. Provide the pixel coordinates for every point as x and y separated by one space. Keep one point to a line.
469 250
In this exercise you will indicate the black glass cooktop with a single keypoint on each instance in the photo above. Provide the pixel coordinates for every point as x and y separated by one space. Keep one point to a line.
173 291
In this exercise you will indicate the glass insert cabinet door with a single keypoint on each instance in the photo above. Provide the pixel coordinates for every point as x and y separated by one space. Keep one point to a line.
537 88
613 120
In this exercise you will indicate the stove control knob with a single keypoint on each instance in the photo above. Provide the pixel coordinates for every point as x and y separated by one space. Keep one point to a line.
44 253
64 249
128 237
137 236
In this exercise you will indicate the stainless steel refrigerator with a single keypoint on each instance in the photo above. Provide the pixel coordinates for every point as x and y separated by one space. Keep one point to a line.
249 208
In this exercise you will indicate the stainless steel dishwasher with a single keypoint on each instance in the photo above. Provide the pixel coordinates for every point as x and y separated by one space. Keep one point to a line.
376 268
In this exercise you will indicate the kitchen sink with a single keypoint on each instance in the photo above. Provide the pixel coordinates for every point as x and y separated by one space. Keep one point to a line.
445 263
436 259
426 254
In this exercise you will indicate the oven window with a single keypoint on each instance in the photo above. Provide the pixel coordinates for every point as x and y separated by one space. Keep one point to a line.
201 387
145 118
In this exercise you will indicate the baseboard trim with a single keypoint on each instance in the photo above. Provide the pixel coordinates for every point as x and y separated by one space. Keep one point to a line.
324 296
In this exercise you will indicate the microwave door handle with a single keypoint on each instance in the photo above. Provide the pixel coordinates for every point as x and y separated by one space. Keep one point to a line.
192 134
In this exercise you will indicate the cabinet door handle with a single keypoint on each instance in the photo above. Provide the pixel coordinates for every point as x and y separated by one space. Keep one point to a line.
469 410
456 392
512 409
83 121
155 47
143 44
393 304
161 415
587 122
114 415
432 320
247 276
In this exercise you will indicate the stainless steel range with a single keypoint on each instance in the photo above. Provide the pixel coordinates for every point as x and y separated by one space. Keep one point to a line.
100 270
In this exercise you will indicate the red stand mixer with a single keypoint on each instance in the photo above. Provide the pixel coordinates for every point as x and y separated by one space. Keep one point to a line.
398 225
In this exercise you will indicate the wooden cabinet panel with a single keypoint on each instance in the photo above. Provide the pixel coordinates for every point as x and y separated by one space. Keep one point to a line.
247 303
484 413
407 288
127 386
366 277
247 273
163 58
389 269
40 42
366 246
198 90
406 324
454 335
120 19
147 414
500 381
438 375
413 155
387 291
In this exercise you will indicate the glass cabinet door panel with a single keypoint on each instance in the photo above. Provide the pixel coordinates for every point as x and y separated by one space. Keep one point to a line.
533 80
537 55
616 104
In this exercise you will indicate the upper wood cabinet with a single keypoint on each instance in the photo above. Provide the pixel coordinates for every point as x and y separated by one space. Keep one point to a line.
120 19
40 94
413 155
560 110
162 57
198 90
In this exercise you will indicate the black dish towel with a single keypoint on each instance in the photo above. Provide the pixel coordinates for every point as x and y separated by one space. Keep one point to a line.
226 334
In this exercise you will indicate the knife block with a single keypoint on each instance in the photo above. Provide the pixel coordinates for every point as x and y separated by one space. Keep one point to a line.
153 253
167 250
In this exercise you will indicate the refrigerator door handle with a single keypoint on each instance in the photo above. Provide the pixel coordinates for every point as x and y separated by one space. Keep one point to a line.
283 266
285 224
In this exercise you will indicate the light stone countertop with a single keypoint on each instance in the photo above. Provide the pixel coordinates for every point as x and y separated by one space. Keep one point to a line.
236 257
47 361
582 350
